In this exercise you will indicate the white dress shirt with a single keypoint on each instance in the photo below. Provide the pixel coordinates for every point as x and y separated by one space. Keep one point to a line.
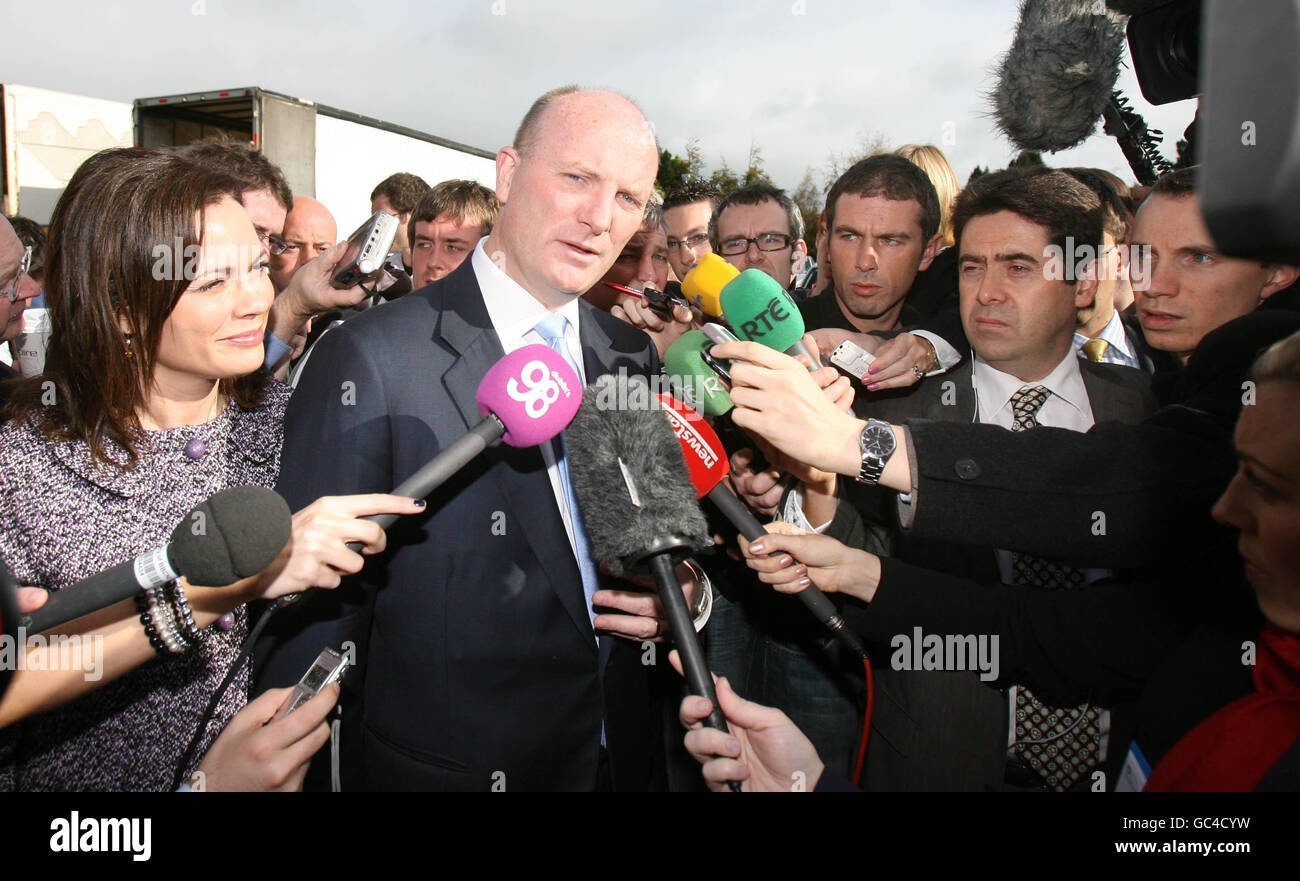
1066 407
515 314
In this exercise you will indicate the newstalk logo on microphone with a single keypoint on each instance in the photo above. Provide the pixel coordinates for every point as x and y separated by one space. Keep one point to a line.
687 433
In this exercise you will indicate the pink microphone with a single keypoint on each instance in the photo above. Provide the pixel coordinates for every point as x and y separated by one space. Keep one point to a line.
526 398
533 392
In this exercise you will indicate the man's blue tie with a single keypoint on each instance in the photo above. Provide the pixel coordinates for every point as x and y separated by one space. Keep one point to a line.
552 330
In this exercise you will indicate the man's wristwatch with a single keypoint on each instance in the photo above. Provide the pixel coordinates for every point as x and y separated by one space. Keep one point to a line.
876 444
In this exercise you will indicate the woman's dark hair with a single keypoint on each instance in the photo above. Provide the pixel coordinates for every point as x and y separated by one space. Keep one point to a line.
122 234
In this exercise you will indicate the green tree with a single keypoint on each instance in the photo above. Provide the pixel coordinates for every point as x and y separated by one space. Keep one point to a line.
839 162
1026 159
674 169
724 178
728 180
809 197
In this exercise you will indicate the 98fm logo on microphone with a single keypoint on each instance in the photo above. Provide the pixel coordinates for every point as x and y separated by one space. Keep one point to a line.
537 388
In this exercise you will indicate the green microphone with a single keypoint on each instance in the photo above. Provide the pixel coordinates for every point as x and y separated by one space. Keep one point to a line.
758 309
695 378
690 372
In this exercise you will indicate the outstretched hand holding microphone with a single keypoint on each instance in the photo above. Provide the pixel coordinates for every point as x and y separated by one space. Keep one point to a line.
757 308
776 399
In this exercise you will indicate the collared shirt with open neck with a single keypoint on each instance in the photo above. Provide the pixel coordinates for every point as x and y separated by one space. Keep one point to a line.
514 314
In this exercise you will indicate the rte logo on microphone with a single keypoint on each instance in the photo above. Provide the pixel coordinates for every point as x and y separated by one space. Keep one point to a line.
773 314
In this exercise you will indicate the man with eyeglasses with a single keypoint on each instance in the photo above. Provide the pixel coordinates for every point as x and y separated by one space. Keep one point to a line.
759 227
688 210
18 289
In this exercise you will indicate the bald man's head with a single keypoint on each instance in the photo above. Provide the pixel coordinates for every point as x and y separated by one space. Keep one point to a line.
573 189
308 229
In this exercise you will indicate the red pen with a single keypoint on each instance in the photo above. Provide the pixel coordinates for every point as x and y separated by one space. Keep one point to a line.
625 289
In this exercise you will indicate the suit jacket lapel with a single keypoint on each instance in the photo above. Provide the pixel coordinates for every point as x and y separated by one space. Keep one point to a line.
467 329
1110 401
597 348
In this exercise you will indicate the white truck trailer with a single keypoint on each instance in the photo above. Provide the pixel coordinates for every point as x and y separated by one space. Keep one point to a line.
47 135
334 155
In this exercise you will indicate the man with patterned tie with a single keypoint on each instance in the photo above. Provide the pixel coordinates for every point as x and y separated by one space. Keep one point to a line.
481 660
946 729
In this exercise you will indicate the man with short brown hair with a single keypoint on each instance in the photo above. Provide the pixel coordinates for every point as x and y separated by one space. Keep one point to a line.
446 225
400 194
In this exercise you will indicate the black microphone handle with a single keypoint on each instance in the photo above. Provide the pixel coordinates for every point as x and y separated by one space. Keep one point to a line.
95 593
812 597
696 669
441 468
422 483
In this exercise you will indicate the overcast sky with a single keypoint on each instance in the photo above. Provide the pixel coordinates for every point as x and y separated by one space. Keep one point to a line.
799 78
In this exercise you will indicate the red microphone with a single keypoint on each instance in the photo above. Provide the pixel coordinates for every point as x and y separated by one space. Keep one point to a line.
706 460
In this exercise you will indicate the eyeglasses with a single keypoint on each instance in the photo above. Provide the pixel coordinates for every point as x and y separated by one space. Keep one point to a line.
691 242
768 241
274 244
23 266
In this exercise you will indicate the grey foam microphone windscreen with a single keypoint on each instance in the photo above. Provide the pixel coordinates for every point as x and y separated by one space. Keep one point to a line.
234 534
629 475
1057 77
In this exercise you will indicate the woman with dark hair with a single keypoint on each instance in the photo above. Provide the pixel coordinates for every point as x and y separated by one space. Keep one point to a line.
153 400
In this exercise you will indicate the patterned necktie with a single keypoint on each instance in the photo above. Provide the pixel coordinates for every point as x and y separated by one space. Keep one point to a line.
1060 744
1095 350
552 330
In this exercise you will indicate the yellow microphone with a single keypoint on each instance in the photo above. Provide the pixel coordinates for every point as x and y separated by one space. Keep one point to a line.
704 283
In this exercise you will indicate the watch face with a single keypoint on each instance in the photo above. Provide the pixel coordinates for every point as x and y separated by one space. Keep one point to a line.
877 440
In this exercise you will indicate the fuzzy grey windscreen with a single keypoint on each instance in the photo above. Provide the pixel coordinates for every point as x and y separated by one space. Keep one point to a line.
1055 80
603 433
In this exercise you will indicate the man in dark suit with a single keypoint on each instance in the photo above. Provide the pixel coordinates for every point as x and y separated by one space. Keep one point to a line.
883 218
1155 482
944 729
481 662
1134 495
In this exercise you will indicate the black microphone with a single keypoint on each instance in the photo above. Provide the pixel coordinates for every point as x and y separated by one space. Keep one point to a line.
1056 80
233 535
639 506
